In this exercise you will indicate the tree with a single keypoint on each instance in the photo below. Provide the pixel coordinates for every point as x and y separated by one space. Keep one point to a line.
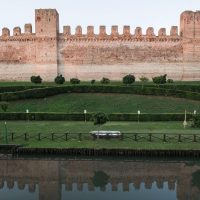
160 79
75 81
144 79
59 79
128 79
196 121
93 81
100 118
100 179
36 79
4 106
105 80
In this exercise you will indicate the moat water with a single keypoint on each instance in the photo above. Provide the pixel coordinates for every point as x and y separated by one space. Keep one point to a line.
97 179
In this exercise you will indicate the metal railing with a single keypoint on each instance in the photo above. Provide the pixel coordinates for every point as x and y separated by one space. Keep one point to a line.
134 137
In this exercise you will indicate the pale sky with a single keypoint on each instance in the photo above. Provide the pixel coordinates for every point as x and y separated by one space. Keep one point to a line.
144 13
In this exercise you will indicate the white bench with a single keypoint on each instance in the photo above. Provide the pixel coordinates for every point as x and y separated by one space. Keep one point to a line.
106 134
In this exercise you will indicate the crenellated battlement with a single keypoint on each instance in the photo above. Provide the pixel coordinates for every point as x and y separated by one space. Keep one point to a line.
17 32
150 35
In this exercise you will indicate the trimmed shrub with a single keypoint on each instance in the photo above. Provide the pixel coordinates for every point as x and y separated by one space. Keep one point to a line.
170 81
74 81
160 79
144 79
93 81
4 105
196 121
36 79
105 80
100 118
59 79
128 79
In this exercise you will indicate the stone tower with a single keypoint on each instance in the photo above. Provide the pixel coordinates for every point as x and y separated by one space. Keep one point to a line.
190 33
47 31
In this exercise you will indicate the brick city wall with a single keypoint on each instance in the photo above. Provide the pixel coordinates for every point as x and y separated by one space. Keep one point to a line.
47 52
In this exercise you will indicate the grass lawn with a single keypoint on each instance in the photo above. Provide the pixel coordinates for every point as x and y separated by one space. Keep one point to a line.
47 127
108 103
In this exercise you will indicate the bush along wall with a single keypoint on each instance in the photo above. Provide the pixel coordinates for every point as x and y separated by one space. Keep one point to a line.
81 117
51 91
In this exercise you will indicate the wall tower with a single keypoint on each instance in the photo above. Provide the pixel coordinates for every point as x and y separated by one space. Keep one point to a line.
47 30
190 33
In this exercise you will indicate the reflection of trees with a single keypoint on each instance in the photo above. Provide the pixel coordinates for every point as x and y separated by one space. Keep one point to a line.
100 179
196 179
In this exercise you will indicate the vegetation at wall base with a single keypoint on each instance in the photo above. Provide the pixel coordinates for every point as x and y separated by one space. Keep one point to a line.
36 79
75 81
144 79
93 81
105 80
170 80
160 79
59 79
128 79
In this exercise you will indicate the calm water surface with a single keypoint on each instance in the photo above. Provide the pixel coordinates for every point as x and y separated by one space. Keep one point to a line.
79 179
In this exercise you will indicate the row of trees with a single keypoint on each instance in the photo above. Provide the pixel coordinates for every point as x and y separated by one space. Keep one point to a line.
128 80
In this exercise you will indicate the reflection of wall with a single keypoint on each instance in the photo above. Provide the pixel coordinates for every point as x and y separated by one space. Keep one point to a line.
50 175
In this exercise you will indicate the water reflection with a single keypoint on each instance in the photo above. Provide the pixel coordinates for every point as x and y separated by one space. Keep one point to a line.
38 179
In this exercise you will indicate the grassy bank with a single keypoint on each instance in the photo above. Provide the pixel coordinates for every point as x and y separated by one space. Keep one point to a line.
108 103
46 128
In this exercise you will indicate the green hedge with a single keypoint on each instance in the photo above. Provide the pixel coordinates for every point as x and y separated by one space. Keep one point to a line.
149 117
183 87
81 117
17 88
44 116
50 91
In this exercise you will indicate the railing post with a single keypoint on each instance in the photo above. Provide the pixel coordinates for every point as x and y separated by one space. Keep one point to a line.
150 137
179 138
135 137
25 136
195 138
66 136
80 136
12 136
164 138
52 136
122 136
39 136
